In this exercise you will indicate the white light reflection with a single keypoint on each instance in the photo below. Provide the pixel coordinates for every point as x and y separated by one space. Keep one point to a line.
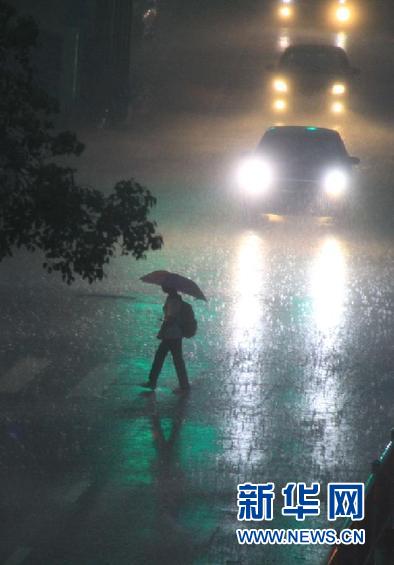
325 399
283 41
341 40
246 323
248 289
328 286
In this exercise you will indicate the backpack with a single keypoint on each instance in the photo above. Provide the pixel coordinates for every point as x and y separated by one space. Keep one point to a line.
188 322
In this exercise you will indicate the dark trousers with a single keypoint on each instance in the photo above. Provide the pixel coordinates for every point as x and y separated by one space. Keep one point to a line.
175 346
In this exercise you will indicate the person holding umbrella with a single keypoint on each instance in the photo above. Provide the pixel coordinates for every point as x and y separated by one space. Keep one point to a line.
178 323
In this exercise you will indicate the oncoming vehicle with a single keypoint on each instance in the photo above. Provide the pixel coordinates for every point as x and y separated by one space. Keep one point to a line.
298 169
341 14
312 77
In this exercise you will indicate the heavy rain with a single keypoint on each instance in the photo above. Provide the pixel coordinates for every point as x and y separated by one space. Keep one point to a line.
291 369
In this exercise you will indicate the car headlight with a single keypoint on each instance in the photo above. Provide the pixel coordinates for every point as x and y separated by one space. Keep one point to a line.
343 14
280 105
280 85
285 12
338 108
335 182
338 89
255 175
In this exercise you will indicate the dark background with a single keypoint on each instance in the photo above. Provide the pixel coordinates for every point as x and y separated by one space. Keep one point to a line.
84 43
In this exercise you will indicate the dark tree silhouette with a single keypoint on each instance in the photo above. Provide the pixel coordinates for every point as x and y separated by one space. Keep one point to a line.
42 207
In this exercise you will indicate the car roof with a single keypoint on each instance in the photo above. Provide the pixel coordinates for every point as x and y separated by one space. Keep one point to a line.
292 130
313 47
299 137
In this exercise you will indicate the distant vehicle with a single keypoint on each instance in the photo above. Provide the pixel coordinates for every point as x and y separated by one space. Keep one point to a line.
341 14
315 77
298 169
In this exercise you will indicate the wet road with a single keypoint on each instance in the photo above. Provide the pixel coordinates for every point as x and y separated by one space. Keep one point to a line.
291 371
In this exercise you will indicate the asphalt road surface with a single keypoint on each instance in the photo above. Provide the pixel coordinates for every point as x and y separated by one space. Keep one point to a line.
291 370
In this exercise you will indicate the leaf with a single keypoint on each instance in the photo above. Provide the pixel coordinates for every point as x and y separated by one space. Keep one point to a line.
78 229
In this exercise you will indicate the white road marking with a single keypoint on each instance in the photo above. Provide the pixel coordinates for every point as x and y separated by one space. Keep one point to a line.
95 382
18 556
23 372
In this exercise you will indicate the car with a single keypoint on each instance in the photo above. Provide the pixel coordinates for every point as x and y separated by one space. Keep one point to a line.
298 169
341 14
312 77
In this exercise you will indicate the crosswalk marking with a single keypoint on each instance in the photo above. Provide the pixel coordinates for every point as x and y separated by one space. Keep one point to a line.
23 372
95 382
19 556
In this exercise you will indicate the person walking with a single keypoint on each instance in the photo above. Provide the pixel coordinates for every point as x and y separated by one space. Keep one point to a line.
171 335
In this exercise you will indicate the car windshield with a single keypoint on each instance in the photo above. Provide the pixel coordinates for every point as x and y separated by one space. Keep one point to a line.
309 143
314 59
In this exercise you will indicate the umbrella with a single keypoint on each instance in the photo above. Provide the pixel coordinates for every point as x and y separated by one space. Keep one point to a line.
173 280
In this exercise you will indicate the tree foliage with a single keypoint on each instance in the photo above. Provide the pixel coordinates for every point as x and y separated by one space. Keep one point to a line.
42 207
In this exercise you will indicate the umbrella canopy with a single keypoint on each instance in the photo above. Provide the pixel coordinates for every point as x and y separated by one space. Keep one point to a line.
173 280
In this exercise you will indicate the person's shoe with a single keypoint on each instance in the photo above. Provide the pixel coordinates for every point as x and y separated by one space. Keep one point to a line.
148 385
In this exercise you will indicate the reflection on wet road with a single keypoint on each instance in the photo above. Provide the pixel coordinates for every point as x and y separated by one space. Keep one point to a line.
285 354
248 292
328 287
